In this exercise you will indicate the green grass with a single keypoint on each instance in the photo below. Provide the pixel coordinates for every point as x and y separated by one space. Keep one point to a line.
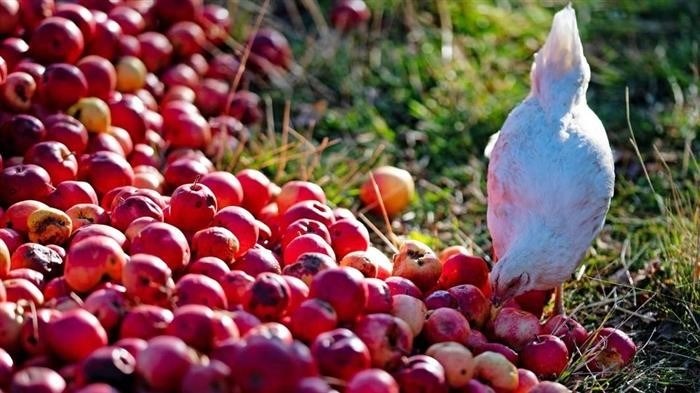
394 92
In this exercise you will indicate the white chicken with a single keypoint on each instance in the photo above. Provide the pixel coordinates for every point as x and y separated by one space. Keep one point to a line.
551 174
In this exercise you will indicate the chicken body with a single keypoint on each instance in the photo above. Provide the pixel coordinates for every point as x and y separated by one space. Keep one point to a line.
551 174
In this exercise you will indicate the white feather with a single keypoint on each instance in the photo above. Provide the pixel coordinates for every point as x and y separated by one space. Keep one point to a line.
550 175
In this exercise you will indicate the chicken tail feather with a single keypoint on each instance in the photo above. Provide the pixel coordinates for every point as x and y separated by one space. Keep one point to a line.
562 52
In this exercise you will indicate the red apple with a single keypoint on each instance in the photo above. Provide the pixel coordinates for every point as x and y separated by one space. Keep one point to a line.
256 191
55 157
164 241
132 345
128 113
187 38
372 381
55 40
459 269
145 321
105 40
109 305
418 263
303 244
182 171
379 298
304 226
193 324
439 299
207 378
568 330
269 331
17 91
297 191
613 349
172 11
23 182
258 260
313 385
13 50
15 217
105 171
312 318
308 265
74 335
421 373
515 328
348 235
90 260
313 210
235 284
199 289
216 21
81 16
6 364
268 47
164 362
347 15
472 303
192 206
223 66
526 381
32 12
446 324
268 297
504 350
340 353
69 194
211 95
20 133
241 223
130 20
9 20
344 288
37 379
148 279
156 50
112 366
266 366
67 130
245 106
92 230
361 260
388 339
546 356
403 286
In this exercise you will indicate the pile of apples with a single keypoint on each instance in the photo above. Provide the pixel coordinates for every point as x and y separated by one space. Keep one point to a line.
130 264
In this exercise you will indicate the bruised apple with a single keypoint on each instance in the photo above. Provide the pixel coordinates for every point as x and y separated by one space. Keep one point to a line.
418 263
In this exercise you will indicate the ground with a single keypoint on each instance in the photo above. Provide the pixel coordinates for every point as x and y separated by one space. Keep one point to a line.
424 85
